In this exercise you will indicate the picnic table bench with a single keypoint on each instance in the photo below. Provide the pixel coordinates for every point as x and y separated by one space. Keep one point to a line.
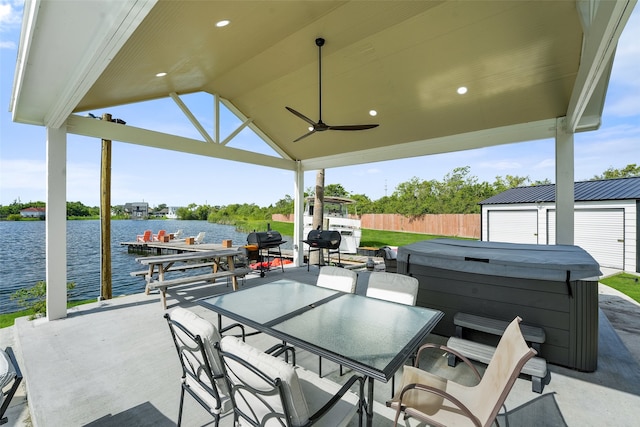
163 264
535 367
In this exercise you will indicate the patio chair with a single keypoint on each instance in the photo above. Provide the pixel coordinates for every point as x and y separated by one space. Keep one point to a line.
158 237
267 391
338 279
438 401
199 238
178 234
9 374
146 237
202 373
393 287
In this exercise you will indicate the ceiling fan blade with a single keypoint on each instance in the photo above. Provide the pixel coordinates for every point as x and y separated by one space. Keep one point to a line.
320 126
305 135
302 116
352 127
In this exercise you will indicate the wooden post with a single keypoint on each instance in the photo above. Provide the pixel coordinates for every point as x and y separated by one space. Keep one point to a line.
105 217
317 257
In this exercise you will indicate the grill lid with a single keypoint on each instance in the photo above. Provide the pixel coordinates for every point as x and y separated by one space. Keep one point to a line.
326 239
265 238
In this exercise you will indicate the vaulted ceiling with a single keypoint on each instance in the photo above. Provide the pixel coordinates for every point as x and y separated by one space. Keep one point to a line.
524 63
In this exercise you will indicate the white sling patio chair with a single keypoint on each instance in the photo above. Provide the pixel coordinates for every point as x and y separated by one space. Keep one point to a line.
265 390
393 287
338 279
441 402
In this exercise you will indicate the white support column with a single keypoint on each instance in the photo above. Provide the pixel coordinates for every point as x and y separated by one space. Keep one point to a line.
564 184
56 224
298 211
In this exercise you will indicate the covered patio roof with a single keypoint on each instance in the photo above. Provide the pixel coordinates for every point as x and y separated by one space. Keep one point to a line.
524 63
532 69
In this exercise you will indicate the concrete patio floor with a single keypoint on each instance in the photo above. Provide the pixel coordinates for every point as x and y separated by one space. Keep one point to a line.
112 363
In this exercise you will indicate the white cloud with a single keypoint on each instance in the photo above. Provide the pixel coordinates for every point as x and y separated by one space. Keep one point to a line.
10 13
22 179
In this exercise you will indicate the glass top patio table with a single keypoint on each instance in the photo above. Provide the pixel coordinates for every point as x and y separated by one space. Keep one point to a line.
370 336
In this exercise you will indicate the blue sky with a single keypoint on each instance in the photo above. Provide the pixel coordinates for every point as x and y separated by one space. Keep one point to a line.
160 176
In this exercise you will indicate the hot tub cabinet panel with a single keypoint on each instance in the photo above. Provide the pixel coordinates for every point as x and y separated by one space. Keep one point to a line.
455 276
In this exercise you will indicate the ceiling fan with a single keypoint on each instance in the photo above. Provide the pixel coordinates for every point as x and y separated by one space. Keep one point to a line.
321 126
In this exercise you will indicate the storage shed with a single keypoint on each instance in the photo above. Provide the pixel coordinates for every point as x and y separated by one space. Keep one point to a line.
607 223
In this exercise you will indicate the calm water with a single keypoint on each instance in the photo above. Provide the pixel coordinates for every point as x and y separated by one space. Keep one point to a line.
22 254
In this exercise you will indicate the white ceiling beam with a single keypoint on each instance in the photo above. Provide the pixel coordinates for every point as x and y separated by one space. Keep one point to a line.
236 132
117 132
603 22
485 138
256 129
194 121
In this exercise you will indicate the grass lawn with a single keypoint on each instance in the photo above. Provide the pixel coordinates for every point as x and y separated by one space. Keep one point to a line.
8 319
626 283
370 238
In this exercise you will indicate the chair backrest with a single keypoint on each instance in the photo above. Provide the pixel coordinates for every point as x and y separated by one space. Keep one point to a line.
146 236
510 356
337 278
195 340
393 287
264 389
160 235
200 237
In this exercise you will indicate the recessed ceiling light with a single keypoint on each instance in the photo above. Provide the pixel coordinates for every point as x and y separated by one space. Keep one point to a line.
462 90
161 74
373 113
223 23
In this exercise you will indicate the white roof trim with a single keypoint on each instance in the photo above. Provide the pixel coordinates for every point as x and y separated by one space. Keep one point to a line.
489 137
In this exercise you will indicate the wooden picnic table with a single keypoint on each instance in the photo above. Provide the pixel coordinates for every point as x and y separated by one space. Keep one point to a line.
163 264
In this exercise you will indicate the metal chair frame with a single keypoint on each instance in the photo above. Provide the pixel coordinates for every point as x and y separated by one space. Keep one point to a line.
17 379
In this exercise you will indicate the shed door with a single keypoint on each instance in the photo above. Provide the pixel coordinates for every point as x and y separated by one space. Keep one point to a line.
512 226
599 232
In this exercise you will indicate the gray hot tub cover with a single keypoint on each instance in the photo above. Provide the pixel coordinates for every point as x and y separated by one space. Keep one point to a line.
526 261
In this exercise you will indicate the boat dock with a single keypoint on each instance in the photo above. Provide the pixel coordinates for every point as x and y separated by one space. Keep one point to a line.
180 246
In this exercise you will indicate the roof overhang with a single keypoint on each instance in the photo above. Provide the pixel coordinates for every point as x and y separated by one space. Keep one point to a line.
525 63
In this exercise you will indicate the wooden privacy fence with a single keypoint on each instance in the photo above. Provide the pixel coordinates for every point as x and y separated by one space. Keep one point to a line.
460 225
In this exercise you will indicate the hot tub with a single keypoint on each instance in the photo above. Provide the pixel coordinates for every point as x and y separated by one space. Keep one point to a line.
551 286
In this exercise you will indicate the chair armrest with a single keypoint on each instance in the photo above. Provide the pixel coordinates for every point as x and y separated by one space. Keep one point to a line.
448 350
336 398
235 325
426 388
278 349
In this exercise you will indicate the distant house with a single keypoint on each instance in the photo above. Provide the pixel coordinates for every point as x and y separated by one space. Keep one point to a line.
33 212
172 212
160 213
606 219
137 210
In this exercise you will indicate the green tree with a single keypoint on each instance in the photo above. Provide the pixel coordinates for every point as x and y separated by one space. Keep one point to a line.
628 171
335 190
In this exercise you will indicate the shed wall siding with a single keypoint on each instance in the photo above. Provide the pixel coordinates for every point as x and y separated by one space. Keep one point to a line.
608 230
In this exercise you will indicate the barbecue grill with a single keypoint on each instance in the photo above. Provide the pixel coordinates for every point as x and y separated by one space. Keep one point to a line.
319 240
268 244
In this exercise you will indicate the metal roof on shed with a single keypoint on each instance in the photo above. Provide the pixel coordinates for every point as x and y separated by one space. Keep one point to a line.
607 189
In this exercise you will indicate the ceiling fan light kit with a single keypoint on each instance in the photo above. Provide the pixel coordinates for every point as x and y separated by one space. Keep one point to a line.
320 126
